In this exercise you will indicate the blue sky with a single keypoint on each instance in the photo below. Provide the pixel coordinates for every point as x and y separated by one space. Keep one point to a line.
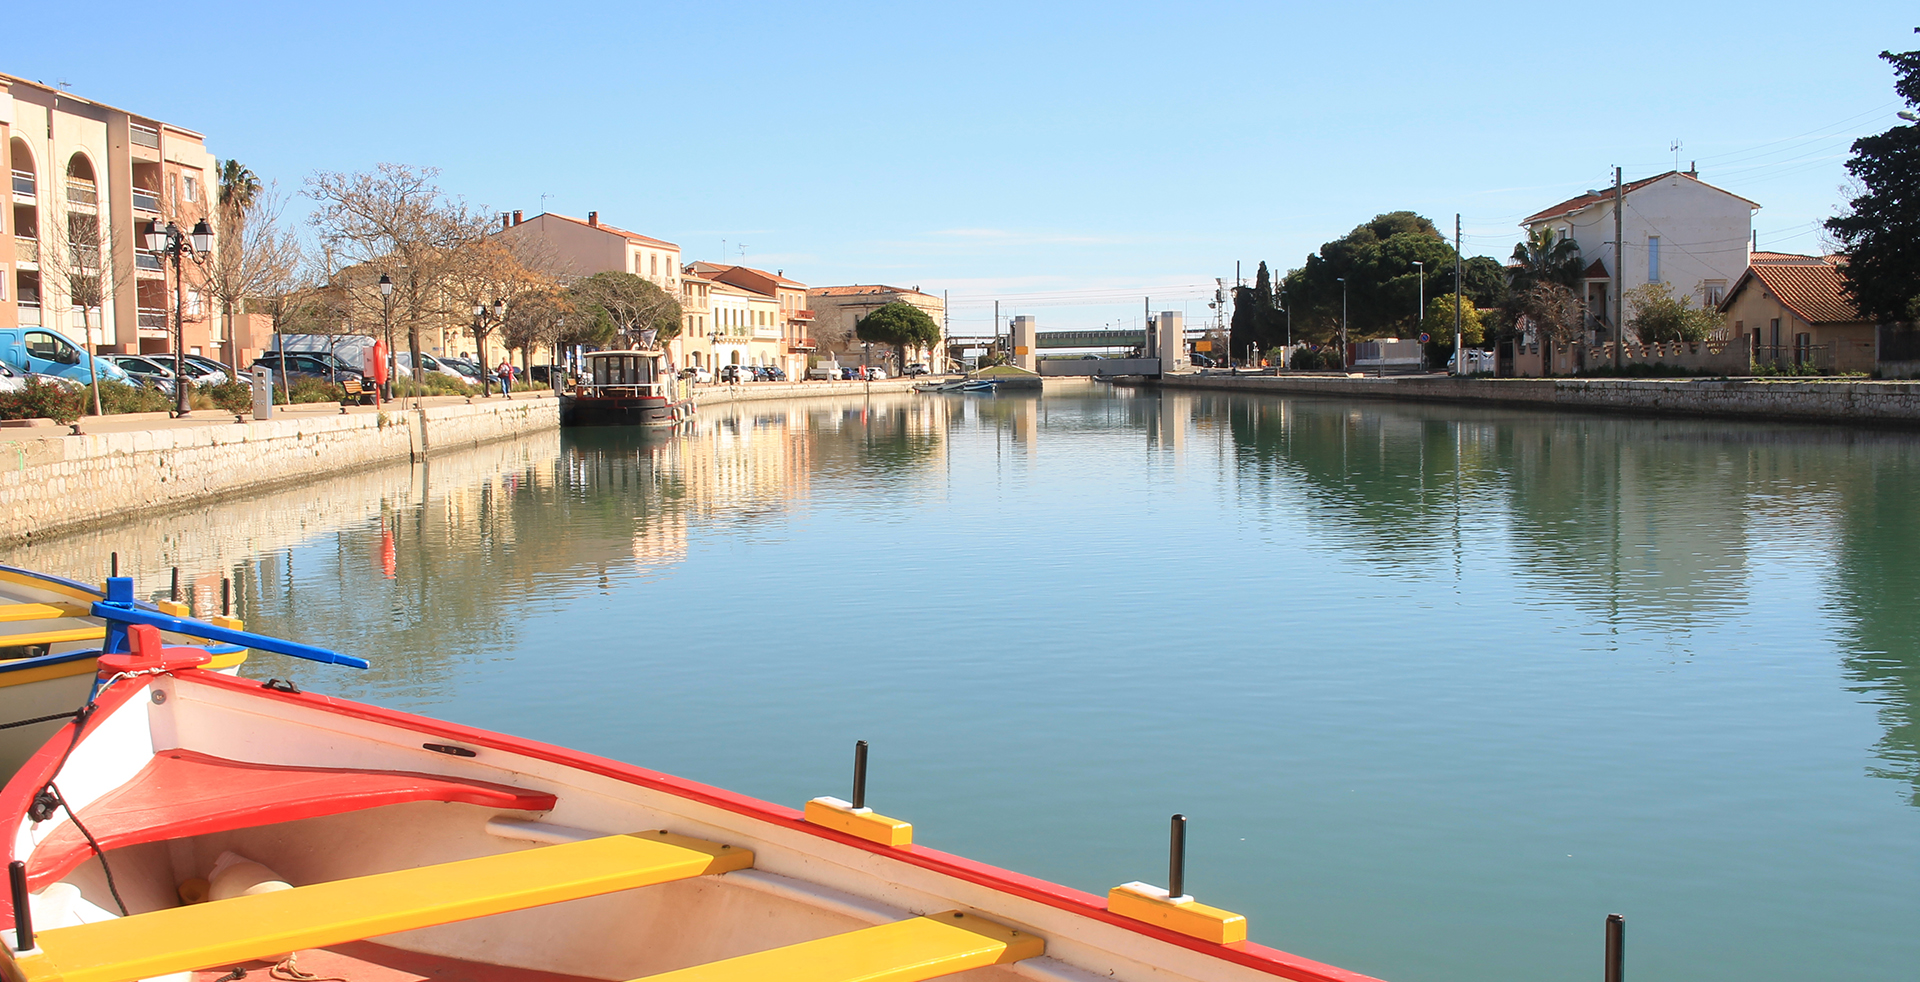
1064 158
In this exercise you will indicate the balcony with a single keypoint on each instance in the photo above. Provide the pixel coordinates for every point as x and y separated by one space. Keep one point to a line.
29 313
144 136
145 200
803 316
153 319
26 250
23 184
83 193
147 262
800 346
84 257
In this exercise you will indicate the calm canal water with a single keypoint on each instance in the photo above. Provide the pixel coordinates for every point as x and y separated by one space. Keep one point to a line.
1438 688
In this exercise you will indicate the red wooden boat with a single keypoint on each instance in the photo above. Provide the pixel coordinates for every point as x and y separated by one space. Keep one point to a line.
192 824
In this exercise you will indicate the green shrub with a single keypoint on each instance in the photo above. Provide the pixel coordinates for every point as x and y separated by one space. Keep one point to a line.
1325 359
119 397
234 397
316 390
432 384
41 400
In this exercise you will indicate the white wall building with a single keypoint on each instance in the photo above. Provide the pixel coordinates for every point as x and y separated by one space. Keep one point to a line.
1676 229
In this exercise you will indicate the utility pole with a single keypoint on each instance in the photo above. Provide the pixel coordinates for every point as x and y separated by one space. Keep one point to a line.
1459 356
1619 275
1343 322
1146 309
996 327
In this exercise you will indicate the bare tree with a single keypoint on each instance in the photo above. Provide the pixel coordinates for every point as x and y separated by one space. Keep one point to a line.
255 257
89 268
395 222
495 275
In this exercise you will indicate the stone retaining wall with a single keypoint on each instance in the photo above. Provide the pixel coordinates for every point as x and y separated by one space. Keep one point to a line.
1876 403
61 482
705 395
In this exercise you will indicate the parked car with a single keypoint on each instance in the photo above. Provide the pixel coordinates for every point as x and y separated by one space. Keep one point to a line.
697 374
38 351
1201 360
148 372
875 373
823 373
773 373
200 369
916 369
469 370
736 373
10 380
299 365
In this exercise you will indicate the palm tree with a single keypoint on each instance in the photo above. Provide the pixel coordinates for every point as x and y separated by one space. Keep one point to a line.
239 192
1545 257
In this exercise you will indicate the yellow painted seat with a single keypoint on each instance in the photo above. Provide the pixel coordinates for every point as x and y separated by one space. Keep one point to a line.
39 612
903 951
53 637
226 932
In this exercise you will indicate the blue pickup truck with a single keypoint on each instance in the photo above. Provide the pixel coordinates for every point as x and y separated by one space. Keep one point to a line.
39 351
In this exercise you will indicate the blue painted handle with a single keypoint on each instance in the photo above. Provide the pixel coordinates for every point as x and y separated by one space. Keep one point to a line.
127 613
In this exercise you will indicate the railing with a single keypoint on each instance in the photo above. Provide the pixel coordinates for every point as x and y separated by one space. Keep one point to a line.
26 250
144 136
766 333
23 183
29 313
83 257
83 192
798 345
153 318
148 261
145 200
800 315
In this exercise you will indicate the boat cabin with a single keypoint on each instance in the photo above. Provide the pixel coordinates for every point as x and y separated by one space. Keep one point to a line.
622 373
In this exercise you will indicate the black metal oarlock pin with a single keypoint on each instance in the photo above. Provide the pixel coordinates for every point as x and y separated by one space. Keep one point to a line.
22 914
114 564
226 597
860 774
1616 947
1177 858
176 585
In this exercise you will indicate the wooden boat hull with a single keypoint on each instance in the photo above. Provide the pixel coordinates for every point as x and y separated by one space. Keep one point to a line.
650 411
47 663
457 845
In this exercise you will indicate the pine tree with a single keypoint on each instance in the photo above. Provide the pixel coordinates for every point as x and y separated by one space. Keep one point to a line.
1880 232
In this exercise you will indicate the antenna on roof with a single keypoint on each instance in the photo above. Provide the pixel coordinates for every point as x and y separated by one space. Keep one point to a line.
1676 152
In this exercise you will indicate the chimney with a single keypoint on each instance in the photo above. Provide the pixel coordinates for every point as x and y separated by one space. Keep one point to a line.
516 216
593 219
503 220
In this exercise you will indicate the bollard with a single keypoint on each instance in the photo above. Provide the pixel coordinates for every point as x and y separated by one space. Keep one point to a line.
176 585
22 913
1177 858
860 774
1616 947
226 597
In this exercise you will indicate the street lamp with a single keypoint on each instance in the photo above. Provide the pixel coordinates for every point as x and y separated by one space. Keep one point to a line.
386 327
1343 321
480 314
169 242
1420 312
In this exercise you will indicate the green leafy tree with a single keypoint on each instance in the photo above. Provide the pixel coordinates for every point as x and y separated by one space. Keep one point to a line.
1439 321
641 312
1257 317
1383 286
1658 316
1880 232
901 325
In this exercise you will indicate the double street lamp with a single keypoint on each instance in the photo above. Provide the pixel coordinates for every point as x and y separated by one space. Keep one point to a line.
1343 322
170 242
386 328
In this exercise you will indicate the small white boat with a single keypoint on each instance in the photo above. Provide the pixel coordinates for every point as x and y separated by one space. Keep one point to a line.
234 826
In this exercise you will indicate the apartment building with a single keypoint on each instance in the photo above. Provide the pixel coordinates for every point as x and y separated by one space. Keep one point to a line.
778 325
84 178
837 308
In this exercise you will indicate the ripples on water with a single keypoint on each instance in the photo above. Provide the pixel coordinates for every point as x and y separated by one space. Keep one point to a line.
1439 688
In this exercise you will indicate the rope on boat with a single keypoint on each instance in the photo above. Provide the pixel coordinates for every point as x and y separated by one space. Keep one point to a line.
40 719
287 971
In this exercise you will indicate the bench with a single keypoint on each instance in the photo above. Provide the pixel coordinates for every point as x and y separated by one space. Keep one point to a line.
228 932
903 951
357 390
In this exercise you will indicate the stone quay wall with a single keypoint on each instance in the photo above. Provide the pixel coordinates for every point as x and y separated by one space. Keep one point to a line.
1876 403
59 482
719 394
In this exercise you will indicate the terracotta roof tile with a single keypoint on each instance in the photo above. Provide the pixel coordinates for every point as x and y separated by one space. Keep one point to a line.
1787 259
1815 291
1585 201
858 289
633 237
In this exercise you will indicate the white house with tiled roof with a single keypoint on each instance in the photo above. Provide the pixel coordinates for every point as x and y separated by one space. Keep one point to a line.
580 247
1676 229
837 308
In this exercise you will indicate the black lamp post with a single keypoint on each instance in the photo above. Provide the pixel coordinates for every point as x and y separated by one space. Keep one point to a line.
170 242
480 315
386 327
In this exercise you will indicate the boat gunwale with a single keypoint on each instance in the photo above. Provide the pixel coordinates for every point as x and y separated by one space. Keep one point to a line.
17 795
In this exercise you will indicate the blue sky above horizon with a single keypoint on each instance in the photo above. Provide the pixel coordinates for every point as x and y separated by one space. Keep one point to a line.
1066 159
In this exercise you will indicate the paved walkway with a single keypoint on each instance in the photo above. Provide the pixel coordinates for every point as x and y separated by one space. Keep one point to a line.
130 422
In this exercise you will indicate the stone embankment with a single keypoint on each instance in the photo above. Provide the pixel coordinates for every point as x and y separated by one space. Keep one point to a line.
1812 401
707 395
52 479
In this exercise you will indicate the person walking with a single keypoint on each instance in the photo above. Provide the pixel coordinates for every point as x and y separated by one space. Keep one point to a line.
505 371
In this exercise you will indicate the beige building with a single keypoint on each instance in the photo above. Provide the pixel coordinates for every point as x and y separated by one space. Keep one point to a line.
1795 311
77 165
572 248
837 308
756 318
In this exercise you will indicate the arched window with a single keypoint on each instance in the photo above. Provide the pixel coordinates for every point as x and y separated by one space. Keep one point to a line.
82 188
